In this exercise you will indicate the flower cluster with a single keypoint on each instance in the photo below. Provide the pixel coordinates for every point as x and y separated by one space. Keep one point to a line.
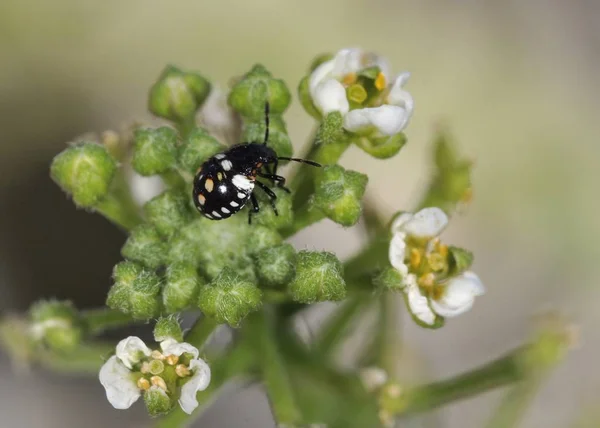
175 373
434 277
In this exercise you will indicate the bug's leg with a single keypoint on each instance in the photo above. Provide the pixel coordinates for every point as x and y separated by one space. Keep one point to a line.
272 196
255 207
266 124
276 179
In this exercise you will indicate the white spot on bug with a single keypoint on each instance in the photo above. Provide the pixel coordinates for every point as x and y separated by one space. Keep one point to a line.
216 214
220 156
225 210
241 196
226 164
242 182
207 215
234 204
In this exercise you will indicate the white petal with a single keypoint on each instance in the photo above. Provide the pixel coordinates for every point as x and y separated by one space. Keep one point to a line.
400 221
121 390
131 350
330 96
373 378
172 347
459 295
145 188
417 303
397 253
388 119
400 97
319 75
199 382
427 223
348 61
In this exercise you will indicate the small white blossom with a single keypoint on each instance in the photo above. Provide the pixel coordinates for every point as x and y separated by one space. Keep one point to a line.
121 390
327 90
218 117
373 378
117 374
426 297
144 188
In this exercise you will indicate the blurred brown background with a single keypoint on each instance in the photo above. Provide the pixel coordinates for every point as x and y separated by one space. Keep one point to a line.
516 82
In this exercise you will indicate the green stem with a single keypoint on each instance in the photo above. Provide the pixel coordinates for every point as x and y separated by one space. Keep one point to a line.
99 320
186 126
117 210
85 359
337 327
303 217
515 403
496 374
173 179
201 331
274 371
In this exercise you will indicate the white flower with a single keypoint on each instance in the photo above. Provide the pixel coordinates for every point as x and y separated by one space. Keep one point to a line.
373 378
426 296
121 390
329 93
144 188
131 351
218 117
199 382
116 375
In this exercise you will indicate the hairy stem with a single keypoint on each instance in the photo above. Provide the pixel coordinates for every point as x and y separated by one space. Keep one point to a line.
99 320
114 208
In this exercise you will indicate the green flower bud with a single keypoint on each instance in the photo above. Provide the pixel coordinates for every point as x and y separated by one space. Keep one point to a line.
306 98
229 298
276 266
144 296
168 328
181 288
267 217
169 212
124 274
177 95
56 324
339 193
262 237
319 277
145 245
85 171
278 137
459 260
389 278
154 150
381 147
183 246
157 401
196 149
331 131
249 95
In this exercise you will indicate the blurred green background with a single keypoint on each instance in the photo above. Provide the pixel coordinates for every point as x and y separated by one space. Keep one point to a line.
514 81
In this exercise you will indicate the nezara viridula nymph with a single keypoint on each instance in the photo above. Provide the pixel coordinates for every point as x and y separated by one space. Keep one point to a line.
225 182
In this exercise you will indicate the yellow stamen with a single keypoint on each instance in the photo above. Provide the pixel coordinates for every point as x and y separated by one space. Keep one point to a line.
380 82
158 381
157 355
415 258
182 370
349 79
172 360
436 262
442 250
427 280
143 383
145 367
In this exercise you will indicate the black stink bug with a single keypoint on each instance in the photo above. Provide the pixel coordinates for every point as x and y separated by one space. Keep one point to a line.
226 181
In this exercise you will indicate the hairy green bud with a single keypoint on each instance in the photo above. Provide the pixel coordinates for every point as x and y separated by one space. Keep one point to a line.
157 401
389 278
196 149
278 137
339 192
267 217
229 298
257 87
154 150
145 246
177 95
459 260
319 277
263 237
135 291
381 147
56 324
330 131
181 287
169 212
168 328
85 171
276 266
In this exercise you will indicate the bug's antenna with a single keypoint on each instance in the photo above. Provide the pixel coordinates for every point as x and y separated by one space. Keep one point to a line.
309 162
266 123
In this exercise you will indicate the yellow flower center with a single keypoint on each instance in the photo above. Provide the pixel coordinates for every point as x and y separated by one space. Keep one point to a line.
380 82
349 79
357 93
182 371
158 381
172 360
143 383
